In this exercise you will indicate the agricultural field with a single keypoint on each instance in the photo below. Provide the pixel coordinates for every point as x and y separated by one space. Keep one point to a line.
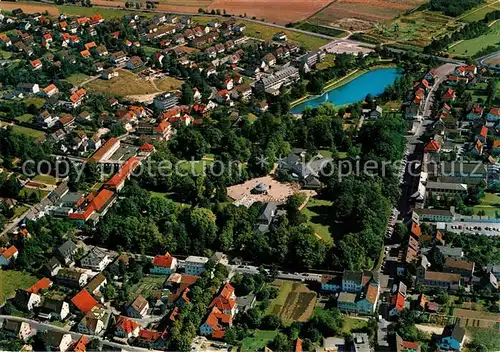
472 46
106 13
261 31
147 285
295 302
128 83
189 6
316 212
311 27
12 280
360 14
29 7
275 11
415 30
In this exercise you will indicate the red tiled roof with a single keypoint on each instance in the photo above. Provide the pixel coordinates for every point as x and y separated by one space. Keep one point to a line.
298 345
227 291
42 284
371 293
84 301
104 149
124 172
415 229
127 325
449 94
149 335
101 199
164 261
398 301
432 146
49 88
484 131
147 147
9 252
495 111
81 344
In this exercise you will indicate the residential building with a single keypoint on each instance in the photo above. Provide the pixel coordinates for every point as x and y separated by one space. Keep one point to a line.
274 82
226 300
94 322
164 264
493 115
53 309
443 188
138 308
459 266
435 215
18 329
127 328
27 300
367 301
194 265
96 259
58 341
436 279
71 278
66 251
84 301
52 267
8 255
106 150
114 267
96 284
406 346
165 102
452 338
42 284
331 283
216 324
346 302
117 181
352 281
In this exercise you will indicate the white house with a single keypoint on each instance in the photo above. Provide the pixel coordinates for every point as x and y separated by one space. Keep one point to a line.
195 265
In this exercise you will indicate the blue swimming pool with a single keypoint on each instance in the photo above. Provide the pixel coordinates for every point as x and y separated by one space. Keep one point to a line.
372 82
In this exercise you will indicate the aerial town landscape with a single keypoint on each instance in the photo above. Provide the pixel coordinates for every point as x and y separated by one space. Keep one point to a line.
235 175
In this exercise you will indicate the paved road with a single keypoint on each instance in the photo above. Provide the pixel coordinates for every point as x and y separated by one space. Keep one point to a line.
35 325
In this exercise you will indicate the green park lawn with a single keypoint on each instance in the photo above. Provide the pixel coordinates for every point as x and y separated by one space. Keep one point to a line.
478 14
471 46
11 280
27 131
316 211
38 102
258 340
25 118
77 78
353 324
48 179
490 203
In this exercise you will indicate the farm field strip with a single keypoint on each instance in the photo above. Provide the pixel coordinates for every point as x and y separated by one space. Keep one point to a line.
470 47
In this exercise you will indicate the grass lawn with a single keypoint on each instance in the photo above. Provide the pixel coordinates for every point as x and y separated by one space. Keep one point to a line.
196 166
150 49
258 340
490 338
471 46
148 284
28 131
26 192
38 102
479 13
128 83
48 179
19 210
11 280
25 118
353 324
490 203
4 55
77 78
58 323
316 211
295 302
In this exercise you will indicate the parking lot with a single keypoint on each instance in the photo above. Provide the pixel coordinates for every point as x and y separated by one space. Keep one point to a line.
478 228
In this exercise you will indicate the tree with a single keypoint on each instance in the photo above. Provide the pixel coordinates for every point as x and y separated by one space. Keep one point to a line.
270 322
187 96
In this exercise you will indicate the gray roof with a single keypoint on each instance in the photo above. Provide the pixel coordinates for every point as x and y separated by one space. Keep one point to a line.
456 252
441 212
347 297
475 169
267 212
356 276
52 305
454 331
67 248
446 186
94 257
